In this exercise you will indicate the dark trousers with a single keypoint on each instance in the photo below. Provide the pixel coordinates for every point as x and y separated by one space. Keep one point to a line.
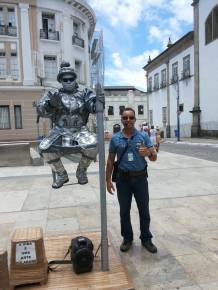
126 188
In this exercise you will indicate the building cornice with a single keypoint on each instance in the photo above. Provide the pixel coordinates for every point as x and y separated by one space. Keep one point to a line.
21 88
84 8
195 2
122 88
186 41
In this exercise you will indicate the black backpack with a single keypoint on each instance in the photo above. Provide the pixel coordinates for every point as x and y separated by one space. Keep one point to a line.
82 254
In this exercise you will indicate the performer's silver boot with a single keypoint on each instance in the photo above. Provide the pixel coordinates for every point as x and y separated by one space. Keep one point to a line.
57 167
61 178
81 172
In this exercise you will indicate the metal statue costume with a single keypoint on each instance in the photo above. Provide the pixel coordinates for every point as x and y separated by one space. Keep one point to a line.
69 110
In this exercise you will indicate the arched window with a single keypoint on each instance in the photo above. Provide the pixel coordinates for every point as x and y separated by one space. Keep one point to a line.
211 26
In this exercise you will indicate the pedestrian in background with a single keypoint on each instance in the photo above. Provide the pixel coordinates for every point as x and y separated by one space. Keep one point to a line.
153 136
131 147
158 138
146 128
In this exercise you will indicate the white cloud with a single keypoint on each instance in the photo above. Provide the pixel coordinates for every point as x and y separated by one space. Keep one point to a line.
130 72
140 60
127 12
126 76
130 12
117 59
155 33
172 28
162 19
182 10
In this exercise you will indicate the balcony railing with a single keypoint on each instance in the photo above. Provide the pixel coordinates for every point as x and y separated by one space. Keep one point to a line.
77 41
185 74
163 85
156 87
50 35
174 79
8 30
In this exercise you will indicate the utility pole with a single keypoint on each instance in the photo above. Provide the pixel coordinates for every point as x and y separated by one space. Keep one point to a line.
100 132
97 78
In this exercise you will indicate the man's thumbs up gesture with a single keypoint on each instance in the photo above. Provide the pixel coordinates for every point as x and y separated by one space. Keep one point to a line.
149 152
143 151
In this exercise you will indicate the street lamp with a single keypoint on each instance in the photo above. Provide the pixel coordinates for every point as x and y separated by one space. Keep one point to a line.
178 109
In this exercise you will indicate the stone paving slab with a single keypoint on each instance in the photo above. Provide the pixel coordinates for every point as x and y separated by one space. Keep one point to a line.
184 218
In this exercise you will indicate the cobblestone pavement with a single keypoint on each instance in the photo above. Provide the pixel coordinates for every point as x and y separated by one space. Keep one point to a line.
184 217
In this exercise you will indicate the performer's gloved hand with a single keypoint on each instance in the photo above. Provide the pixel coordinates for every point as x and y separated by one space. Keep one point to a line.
47 105
54 100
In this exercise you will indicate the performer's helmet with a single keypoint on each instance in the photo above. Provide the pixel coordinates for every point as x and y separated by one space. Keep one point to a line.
65 69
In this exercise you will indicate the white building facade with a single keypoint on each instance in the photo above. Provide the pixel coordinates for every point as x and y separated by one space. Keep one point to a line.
119 97
35 37
206 18
198 84
170 84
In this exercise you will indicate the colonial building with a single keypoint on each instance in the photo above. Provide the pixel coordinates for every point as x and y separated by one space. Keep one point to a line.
170 85
35 36
206 67
119 97
183 80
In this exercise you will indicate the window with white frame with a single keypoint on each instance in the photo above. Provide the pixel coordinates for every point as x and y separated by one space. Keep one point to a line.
78 70
211 26
5 117
2 20
9 61
48 21
156 81
7 21
11 17
7 16
140 110
181 108
14 66
149 84
76 28
163 78
121 109
215 22
174 72
50 67
18 117
48 27
14 70
3 61
164 115
151 117
110 111
186 66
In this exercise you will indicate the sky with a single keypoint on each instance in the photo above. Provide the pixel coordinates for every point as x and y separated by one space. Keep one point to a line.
135 29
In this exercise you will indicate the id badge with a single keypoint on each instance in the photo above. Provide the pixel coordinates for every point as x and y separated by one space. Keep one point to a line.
130 156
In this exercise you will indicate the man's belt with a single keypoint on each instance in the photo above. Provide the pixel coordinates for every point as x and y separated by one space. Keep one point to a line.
133 173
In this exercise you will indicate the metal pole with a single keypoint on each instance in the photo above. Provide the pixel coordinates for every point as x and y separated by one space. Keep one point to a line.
178 111
100 132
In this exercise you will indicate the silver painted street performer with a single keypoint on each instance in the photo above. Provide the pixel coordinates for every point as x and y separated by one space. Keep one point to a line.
69 109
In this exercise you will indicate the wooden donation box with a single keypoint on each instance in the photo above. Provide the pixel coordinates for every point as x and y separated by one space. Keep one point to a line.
4 276
28 261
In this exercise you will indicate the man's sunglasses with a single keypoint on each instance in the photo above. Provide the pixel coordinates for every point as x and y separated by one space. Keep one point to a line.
66 80
126 118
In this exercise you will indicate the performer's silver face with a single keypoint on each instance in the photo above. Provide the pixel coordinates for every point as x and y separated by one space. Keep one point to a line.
68 82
